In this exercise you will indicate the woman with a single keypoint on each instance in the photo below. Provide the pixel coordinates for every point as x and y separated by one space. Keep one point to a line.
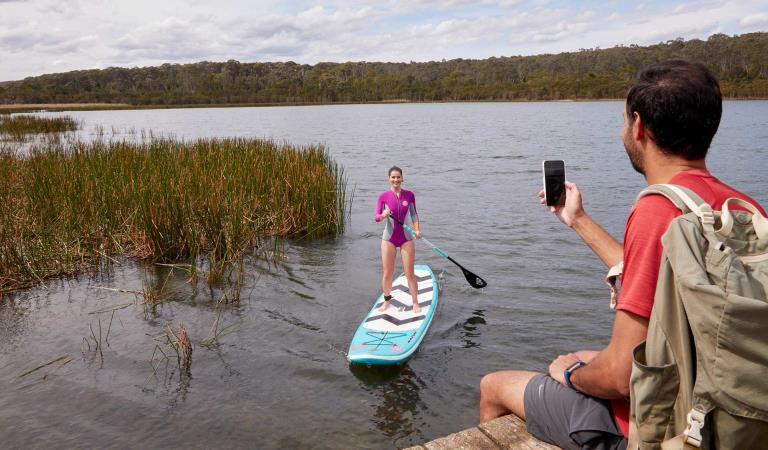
401 204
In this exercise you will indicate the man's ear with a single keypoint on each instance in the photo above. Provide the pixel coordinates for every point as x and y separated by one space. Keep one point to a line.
639 132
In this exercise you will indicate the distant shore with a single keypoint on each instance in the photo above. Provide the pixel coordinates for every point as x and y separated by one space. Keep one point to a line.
20 107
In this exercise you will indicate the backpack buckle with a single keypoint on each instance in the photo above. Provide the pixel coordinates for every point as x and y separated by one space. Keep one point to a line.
706 214
692 434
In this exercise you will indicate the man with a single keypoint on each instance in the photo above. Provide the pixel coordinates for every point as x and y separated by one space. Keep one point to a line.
672 112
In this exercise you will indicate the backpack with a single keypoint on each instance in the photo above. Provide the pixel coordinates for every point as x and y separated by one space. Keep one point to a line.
700 379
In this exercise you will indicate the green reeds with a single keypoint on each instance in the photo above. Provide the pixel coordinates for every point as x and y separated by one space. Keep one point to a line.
19 125
65 206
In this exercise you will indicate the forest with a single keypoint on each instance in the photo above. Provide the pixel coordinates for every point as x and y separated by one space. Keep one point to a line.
740 62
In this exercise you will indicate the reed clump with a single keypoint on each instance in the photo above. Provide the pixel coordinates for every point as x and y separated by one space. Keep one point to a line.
181 345
65 206
17 126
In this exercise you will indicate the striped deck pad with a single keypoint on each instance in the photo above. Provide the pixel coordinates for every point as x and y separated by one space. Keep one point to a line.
392 336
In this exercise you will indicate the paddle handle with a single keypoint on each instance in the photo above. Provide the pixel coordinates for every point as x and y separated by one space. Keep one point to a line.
442 253
474 280
413 232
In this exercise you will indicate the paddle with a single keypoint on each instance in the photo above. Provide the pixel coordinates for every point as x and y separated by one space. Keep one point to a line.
474 280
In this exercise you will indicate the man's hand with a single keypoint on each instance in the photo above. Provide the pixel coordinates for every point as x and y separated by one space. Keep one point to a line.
558 366
572 209
586 355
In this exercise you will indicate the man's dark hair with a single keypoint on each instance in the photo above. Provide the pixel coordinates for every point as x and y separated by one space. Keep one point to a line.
680 104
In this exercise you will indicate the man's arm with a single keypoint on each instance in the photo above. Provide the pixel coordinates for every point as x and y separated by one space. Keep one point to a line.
608 249
607 374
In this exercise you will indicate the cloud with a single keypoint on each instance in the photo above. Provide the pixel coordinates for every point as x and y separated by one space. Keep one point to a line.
685 8
687 20
754 19
586 15
171 39
674 31
549 25
559 32
267 36
311 23
31 38
45 35
466 3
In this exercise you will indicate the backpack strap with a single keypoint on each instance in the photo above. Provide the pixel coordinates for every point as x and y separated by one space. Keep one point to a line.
688 201
759 222
614 274
685 200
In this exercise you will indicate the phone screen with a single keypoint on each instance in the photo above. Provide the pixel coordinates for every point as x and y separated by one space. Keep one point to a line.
554 181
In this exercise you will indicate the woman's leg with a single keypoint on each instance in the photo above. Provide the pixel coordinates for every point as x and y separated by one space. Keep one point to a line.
388 252
408 254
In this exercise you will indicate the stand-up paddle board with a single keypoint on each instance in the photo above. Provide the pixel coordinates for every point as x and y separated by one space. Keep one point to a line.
392 336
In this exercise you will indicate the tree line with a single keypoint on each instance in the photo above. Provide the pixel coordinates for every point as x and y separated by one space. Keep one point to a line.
740 62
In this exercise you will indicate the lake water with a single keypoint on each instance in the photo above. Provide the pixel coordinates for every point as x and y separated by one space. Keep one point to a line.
279 377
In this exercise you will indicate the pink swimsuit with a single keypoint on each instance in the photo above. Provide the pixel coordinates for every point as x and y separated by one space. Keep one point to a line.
404 209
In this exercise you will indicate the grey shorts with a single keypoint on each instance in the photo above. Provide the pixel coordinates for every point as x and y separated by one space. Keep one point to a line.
569 419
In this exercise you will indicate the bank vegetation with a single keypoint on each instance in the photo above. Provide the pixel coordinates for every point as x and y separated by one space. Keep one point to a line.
740 62
70 206
17 126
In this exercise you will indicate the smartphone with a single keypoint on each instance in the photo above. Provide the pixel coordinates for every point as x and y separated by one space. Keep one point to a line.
554 181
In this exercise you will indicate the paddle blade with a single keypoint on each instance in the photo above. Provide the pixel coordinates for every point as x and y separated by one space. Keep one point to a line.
473 280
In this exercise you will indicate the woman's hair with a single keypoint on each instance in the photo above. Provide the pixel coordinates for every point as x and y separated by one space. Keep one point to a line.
394 168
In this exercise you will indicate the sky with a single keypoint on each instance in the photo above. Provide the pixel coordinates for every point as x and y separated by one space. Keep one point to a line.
49 36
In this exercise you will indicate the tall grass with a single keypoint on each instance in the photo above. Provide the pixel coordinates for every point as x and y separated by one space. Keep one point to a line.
65 206
18 126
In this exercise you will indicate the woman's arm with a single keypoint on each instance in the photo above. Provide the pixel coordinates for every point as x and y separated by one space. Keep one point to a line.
382 212
414 217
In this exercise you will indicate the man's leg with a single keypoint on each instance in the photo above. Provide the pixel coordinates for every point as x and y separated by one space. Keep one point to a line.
503 392
568 418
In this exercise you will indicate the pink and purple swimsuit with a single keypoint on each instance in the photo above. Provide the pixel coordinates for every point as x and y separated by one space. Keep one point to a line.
403 209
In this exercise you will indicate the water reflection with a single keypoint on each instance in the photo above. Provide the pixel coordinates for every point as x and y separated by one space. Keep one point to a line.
374 376
396 389
159 285
471 328
14 316
316 253
168 381
468 332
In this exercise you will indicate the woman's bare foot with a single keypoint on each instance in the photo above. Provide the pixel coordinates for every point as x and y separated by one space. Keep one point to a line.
384 306
416 309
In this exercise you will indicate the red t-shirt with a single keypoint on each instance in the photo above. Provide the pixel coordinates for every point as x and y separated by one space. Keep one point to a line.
647 222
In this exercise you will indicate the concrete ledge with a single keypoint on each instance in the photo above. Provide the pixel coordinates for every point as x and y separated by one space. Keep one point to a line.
507 432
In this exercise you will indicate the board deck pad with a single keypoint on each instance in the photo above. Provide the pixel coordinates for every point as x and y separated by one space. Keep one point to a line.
393 336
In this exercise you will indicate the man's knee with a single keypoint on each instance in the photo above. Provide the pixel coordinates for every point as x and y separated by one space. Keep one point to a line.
493 382
506 388
486 382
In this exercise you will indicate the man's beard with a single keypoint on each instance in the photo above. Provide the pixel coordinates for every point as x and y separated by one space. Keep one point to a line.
635 157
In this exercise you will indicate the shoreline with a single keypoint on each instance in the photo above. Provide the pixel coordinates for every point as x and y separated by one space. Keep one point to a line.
57 107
